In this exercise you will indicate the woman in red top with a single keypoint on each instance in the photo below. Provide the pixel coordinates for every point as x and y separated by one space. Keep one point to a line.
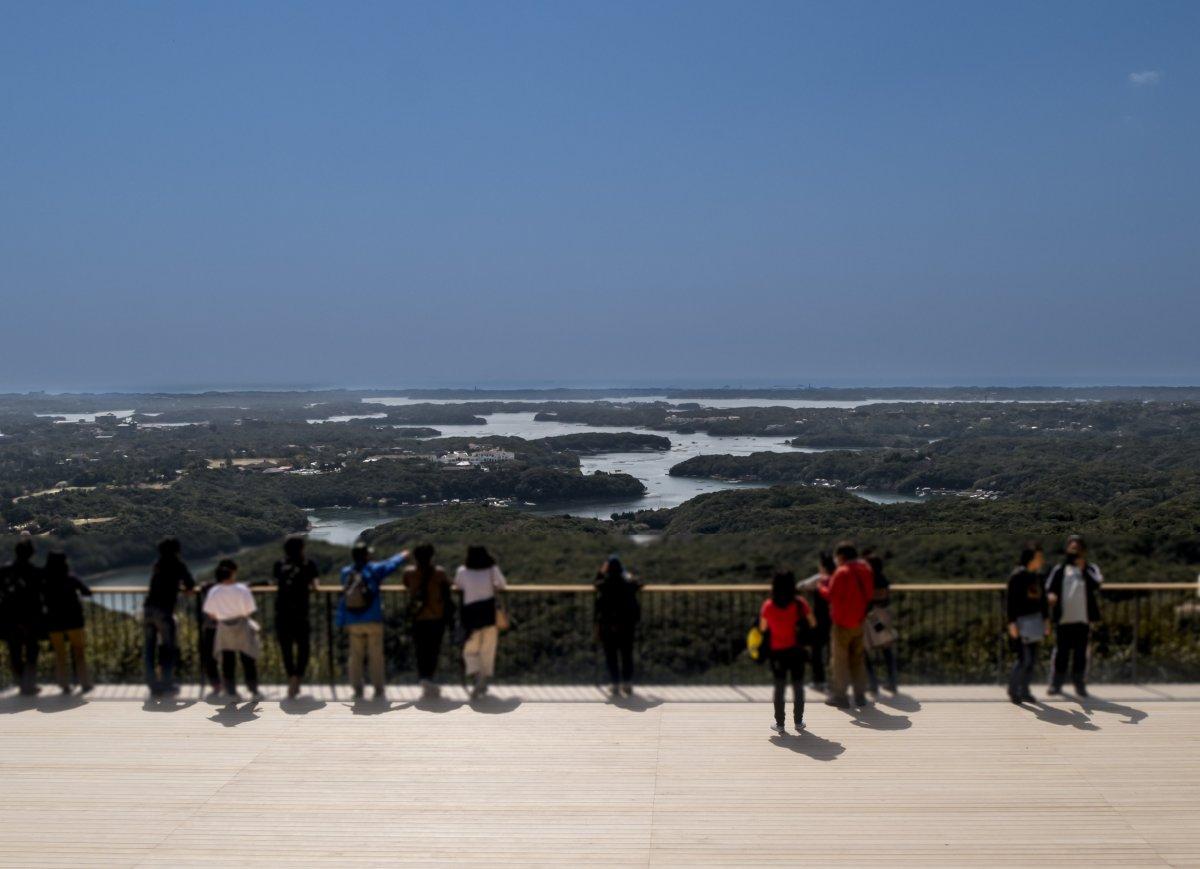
785 616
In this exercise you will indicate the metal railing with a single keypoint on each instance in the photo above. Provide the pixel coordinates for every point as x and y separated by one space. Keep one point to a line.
950 632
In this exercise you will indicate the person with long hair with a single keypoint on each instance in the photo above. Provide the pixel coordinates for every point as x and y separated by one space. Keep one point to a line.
479 580
617 613
429 610
64 620
168 578
784 617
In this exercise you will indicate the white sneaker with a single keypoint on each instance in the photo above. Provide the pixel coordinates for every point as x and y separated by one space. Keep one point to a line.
779 728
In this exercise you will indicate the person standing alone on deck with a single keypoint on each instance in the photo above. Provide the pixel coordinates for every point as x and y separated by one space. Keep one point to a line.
22 614
1073 592
360 612
785 617
849 592
295 580
168 577
617 615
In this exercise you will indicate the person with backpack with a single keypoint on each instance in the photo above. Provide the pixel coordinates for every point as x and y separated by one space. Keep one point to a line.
784 619
430 608
1073 592
22 614
849 591
295 581
880 635
231 604
64 620
168 578
1027 624
479 579
360 612
617 613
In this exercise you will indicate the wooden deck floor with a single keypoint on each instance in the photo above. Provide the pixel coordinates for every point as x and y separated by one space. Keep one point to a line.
557 776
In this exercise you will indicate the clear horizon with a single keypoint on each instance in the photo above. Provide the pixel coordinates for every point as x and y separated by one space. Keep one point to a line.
283 193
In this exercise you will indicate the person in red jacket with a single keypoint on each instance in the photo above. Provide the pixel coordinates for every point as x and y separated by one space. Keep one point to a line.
849 591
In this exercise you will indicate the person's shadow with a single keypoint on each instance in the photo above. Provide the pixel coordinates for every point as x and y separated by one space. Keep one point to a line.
438 704
1062 717
490 704
165 703
376 706
809 744
1095 704
635 702
874 718
230 715
18 703
60 703
301 705
900 702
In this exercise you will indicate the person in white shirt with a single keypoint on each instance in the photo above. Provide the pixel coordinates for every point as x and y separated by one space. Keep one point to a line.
231 605
479 579
1073 592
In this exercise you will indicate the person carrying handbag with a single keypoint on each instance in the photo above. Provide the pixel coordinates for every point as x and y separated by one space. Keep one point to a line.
785 620
479 580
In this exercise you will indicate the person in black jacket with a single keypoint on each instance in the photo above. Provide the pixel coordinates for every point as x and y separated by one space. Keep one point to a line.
1073 592
295 580
64 620
22 614
617 615
1027 623
168 577
819 635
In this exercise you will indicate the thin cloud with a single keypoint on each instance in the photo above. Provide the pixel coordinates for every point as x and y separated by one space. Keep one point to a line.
1145 78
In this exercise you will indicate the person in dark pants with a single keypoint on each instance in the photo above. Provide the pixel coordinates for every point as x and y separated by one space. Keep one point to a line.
22 614
1073 592
617 614
231 604
168 578
881 600
295 580
64 621
819 635
1027 623
429 609
785 617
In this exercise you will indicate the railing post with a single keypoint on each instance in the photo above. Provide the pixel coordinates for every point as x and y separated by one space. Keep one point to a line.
329 643
1133 654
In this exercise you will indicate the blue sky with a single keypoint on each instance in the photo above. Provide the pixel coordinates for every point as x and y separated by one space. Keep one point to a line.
472 193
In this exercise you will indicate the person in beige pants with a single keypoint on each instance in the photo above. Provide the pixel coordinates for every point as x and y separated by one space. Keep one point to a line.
480 581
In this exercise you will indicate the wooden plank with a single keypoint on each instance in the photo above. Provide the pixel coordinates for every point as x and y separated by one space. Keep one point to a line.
549 775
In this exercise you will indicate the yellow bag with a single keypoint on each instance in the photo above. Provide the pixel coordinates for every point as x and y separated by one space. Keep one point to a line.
754 644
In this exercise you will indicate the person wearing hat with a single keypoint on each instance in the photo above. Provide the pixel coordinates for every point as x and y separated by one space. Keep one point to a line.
1073 592
360 612
22 614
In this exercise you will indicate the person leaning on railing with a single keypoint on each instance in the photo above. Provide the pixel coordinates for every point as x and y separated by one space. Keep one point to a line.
64 621
295 580
168 578
480 581
617 613
231 604
430 608
360 612
1073 591
22 614
1027 625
